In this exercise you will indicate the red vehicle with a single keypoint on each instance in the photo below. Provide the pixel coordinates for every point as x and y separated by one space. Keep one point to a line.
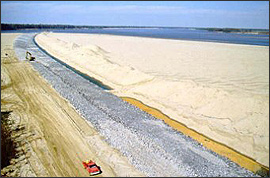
91 167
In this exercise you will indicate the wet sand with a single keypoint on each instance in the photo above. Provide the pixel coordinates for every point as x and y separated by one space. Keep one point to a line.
219 90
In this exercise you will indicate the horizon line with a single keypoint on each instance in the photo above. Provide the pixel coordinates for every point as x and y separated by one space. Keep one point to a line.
151 26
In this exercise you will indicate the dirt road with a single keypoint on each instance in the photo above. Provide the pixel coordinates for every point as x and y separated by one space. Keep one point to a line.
56 138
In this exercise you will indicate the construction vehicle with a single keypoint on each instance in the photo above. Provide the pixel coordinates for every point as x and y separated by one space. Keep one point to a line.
29 56
91 167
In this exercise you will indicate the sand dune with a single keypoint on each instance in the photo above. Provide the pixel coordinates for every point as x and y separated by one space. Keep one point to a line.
220 90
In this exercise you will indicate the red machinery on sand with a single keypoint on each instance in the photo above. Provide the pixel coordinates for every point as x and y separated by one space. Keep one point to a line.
91 167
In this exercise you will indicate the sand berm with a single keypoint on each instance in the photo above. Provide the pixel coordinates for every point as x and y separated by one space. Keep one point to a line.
219 90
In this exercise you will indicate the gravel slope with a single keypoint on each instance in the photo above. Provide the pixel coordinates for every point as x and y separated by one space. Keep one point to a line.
51 138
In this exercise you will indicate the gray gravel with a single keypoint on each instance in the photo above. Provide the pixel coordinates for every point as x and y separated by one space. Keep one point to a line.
149 144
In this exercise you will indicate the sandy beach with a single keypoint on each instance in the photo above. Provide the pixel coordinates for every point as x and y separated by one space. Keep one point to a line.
219 90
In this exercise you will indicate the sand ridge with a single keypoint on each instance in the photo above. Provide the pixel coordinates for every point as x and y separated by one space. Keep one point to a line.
219 90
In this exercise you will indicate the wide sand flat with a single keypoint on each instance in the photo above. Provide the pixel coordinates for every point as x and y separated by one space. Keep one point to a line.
56 138
220 90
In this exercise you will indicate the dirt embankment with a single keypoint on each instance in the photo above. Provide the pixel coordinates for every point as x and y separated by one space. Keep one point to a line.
53 138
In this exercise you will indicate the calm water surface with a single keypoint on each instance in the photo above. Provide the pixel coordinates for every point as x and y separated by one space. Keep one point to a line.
178 33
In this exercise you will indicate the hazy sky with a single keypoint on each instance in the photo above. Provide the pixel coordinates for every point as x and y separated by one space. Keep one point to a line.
235 14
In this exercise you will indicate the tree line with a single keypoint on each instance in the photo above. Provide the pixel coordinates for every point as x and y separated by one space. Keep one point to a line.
5 26
41 26
240 30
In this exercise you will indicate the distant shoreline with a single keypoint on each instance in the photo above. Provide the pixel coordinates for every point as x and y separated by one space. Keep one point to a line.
239 30
5 26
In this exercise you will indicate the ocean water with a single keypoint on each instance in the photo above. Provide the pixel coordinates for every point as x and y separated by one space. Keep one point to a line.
170 33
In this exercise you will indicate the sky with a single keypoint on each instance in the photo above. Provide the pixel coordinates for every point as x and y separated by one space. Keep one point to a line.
221 14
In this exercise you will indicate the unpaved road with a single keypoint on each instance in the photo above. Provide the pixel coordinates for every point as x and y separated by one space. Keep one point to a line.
57 139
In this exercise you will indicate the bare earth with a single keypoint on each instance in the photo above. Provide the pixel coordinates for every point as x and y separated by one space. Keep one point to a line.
219 90
56 138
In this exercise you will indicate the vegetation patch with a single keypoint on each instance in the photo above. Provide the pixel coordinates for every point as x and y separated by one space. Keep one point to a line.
7 143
